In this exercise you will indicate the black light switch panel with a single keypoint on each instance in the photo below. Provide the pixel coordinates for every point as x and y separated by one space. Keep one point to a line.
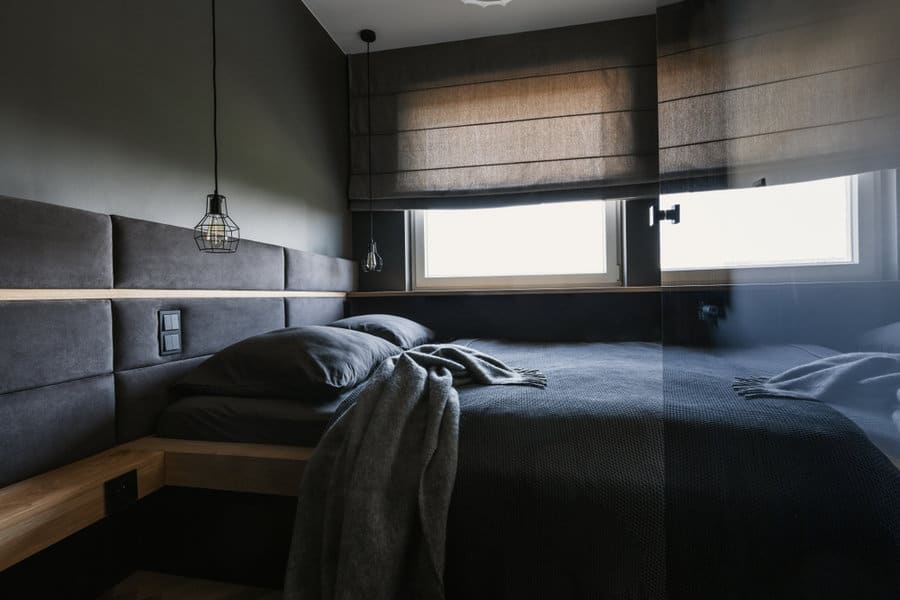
169 332
121 492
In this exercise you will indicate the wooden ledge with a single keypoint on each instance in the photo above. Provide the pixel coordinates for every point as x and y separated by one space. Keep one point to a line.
38 512
11 295
41 511
256 468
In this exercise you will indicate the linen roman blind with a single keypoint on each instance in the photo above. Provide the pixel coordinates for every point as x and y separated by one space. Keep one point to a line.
540 116
789 91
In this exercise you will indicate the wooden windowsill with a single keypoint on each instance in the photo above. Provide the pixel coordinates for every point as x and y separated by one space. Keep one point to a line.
508 292
620 289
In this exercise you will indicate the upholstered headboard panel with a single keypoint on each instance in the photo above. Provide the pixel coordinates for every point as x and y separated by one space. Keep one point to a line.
43 428
57 399
78 376
314 272
313 311
62 247
143 377
208 325
152 255
43 343
142 394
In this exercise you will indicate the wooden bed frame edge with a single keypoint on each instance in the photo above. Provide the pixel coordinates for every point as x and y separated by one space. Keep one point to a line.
43 510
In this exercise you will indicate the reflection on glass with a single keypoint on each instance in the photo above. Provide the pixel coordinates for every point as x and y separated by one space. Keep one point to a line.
782 376
811 223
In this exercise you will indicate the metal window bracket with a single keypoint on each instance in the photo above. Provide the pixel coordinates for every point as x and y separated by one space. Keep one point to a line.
672 214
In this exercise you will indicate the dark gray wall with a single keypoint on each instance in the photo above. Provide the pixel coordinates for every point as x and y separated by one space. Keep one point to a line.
392 237
106 106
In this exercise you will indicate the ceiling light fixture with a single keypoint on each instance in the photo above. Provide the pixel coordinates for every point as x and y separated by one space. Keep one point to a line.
373 262
216 232
484 3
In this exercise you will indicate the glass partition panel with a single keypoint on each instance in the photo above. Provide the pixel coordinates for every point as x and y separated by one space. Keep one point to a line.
779 131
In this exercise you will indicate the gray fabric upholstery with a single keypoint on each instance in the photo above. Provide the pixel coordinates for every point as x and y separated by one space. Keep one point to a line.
43 343
313 311
48 246
207 326
59 400
156 256
311 272
44 428
143 394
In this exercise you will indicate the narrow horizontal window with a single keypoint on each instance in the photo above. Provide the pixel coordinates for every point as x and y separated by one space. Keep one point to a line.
816 230
799 224
545 245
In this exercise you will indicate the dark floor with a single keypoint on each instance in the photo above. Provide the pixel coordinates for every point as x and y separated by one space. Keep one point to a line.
146 585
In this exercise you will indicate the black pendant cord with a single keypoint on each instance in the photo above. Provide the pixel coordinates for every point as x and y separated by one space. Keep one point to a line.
369 110
215 104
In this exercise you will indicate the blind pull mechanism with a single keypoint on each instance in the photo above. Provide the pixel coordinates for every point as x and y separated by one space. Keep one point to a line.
672 214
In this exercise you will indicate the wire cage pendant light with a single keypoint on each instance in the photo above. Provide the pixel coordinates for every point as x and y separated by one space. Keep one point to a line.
373 262
216 232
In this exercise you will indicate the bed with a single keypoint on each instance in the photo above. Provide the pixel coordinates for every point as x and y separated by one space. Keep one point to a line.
638 473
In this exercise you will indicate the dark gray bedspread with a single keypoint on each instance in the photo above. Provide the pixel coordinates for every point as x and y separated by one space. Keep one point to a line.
638 473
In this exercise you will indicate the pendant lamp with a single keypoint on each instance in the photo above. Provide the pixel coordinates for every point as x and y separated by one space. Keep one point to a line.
373 262
216 232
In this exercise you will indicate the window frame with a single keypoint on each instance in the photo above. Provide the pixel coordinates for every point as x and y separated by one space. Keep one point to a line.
611 278
866 210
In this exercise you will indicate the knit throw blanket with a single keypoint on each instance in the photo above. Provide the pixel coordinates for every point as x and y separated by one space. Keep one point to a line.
858 377
372 513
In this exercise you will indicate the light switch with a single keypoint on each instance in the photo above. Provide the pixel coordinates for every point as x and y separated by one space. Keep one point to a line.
169 332
171 321
172 342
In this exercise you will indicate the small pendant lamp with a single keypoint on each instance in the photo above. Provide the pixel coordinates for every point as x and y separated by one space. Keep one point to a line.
373 261
216 232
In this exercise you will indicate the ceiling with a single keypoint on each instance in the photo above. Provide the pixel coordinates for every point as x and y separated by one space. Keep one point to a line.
401 23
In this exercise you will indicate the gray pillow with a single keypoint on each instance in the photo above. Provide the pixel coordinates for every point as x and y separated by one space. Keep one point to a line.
880 339
398 330
312 364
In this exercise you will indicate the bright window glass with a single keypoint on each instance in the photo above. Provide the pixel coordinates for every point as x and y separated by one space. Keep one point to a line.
545 239
804 224
557 245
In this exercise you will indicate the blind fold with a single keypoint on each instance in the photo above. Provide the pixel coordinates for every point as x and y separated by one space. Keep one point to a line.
790 91
537 116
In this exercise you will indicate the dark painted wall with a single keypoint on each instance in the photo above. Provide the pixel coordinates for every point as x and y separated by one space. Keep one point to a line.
561 317
392 236
106 106
828 314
